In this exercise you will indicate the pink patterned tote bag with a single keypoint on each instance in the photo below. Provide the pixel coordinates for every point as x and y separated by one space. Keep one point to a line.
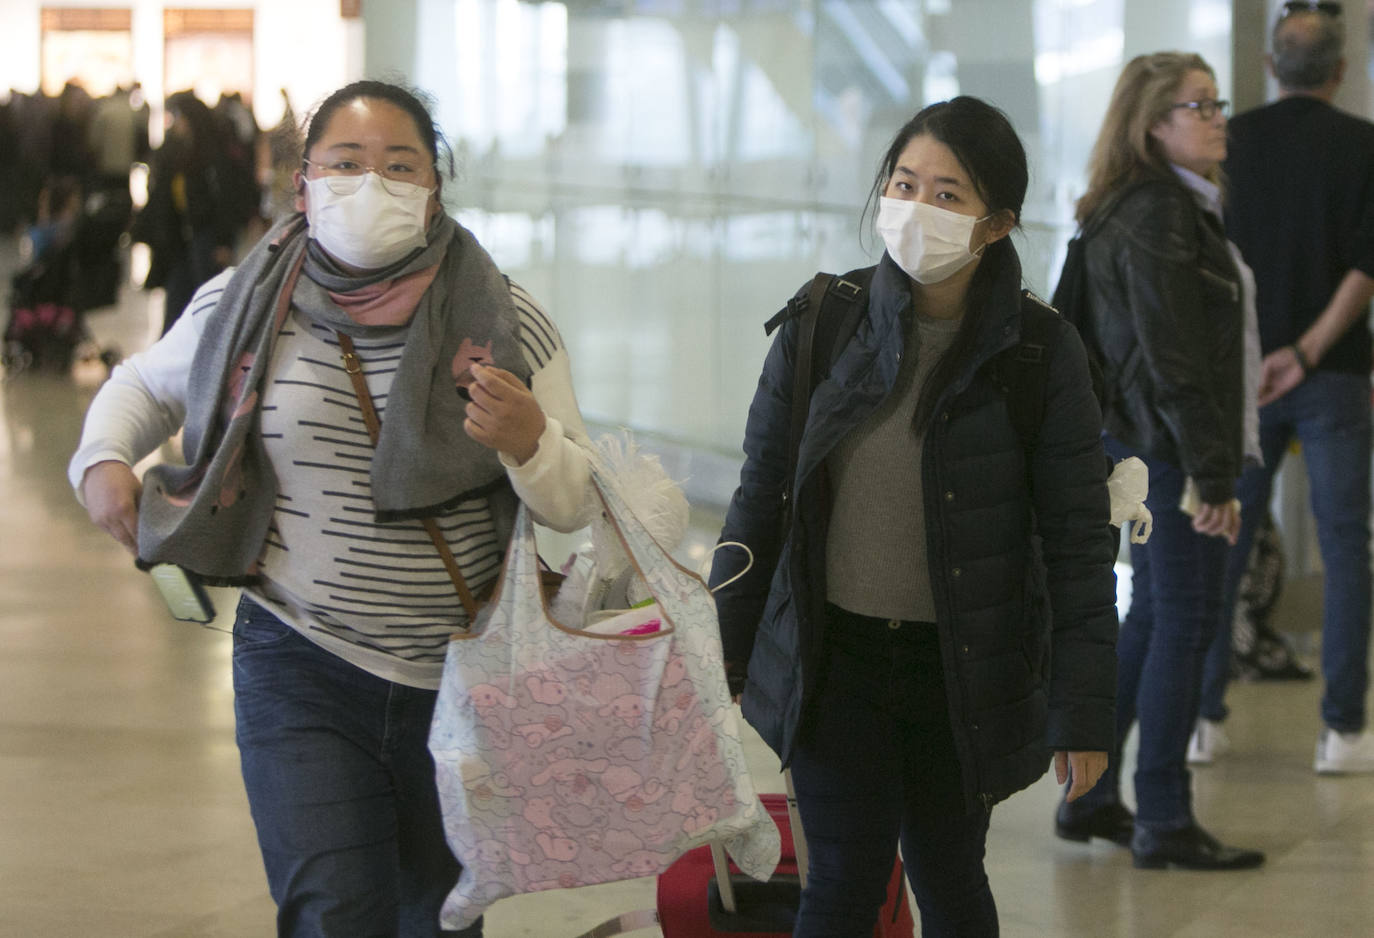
567 757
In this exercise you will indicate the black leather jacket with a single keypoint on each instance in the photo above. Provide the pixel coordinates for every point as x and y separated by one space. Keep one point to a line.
1168 327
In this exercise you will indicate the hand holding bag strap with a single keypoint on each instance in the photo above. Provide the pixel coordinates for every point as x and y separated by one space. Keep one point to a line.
354 368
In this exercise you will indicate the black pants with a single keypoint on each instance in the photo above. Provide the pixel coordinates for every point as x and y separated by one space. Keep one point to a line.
878 763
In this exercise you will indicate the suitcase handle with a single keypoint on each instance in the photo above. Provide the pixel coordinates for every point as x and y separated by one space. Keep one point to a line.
722 865
723 884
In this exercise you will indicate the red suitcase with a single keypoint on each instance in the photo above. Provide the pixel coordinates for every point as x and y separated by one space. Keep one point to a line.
690 904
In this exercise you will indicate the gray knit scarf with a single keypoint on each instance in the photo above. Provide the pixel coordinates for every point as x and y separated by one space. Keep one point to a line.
211 516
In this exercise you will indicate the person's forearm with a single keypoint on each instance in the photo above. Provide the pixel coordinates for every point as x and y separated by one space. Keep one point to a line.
553 482
1347 306
143 402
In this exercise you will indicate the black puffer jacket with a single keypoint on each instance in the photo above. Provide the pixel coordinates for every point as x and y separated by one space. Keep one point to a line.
1009 707
1168 327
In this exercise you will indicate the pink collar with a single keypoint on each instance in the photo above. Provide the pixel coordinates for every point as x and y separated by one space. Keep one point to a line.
387 302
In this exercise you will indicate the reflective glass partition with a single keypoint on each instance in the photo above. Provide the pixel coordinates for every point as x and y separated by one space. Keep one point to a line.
664 174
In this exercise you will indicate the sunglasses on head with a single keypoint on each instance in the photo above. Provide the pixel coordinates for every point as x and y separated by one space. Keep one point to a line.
1328 7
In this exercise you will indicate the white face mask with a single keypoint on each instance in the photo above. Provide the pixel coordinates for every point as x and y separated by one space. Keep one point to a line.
371 226
928 242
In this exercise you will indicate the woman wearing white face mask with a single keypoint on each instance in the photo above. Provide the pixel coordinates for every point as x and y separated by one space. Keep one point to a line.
893 643
348 604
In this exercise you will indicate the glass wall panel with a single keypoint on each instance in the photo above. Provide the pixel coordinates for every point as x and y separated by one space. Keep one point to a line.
664 174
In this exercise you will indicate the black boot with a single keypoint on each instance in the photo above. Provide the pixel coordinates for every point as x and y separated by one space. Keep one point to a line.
1189 848
1110 821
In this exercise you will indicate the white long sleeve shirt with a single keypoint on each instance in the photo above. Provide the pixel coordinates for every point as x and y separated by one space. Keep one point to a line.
378 596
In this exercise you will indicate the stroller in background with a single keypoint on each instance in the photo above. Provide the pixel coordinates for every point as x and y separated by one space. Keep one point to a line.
51 292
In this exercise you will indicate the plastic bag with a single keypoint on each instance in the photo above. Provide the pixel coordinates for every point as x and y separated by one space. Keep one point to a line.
1128 486
566 758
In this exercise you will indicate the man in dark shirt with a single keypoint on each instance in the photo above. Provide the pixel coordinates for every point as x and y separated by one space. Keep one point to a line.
1301 177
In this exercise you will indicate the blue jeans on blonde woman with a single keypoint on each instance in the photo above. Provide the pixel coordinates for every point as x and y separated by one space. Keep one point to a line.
877 764
341 784
1176 586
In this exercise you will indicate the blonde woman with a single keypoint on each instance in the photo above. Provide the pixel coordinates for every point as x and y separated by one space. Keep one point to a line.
1172 323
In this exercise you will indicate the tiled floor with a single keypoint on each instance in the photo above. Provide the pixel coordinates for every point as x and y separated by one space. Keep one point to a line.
122 813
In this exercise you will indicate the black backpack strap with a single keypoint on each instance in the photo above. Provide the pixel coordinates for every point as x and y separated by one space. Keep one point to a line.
843 308
828 315
795 307
803 366
1024 369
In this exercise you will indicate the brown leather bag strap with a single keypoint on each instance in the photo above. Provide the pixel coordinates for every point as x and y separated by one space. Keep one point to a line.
451 565
353 367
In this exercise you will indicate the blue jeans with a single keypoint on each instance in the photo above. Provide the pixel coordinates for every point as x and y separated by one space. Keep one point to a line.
1176 582
877 763
341 785
1330 414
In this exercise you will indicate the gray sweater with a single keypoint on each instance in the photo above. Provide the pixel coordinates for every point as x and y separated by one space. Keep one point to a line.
876 558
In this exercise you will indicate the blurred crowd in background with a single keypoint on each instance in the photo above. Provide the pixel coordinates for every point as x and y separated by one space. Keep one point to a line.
87 182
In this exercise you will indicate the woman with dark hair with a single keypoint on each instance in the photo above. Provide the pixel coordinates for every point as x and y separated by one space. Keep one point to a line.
188 222
353 541
893 644
1172 322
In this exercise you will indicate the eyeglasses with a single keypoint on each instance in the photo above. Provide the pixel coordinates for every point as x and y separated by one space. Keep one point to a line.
1311 6
1206 109
345 177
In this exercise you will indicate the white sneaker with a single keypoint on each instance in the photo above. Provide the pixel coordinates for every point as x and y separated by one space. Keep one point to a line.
1208 741
1344 753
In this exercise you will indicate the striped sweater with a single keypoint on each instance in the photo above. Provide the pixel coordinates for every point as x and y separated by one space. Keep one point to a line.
376 595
